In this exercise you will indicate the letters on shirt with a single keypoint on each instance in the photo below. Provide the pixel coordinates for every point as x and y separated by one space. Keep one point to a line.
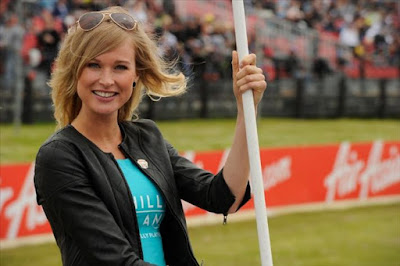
149 210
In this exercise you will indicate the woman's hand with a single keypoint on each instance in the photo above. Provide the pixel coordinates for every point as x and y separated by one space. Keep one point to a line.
247 76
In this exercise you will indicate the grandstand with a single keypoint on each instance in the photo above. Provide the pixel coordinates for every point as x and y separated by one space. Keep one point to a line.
345 53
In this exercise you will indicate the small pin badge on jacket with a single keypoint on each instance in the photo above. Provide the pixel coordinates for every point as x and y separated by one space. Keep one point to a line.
143 163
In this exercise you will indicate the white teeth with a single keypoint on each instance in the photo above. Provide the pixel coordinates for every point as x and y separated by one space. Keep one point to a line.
104 94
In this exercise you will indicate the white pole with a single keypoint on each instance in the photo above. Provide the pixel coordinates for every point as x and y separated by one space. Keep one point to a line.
252 142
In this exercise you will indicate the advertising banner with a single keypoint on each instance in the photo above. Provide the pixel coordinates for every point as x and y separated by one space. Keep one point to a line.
293 176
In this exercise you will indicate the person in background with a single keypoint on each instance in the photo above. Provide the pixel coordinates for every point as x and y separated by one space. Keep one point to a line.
111 186
48 42
61 9
11 35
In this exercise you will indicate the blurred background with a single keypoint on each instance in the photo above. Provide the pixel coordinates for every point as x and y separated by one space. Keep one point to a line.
322 58
333 69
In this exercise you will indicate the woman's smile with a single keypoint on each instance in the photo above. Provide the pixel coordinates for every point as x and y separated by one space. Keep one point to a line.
104 94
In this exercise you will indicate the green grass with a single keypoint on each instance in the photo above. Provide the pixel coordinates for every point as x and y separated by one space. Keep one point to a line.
357 237
216 134
38 255
367 236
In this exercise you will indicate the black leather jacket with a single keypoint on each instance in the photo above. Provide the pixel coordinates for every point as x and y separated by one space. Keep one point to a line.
89 205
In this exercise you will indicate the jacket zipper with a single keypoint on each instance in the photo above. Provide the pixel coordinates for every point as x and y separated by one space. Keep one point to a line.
132 204
225 219
175 217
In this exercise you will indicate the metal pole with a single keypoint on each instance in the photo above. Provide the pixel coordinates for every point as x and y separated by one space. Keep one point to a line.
252 142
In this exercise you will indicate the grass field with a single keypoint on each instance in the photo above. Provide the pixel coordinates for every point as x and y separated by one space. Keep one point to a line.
368 236
216 134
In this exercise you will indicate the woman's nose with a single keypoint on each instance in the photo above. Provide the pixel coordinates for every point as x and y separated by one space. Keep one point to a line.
106 78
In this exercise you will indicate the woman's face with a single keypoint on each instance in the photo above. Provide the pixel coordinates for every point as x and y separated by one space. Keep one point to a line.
105 84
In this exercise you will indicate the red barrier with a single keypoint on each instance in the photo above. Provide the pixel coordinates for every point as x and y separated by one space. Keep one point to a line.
292 176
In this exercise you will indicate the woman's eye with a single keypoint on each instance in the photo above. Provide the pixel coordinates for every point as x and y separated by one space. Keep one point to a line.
121 67
93 65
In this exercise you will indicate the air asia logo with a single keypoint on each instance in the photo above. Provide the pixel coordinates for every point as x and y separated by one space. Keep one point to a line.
25 202
277 172
371 176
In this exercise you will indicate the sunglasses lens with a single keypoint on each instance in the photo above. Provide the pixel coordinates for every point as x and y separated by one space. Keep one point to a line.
123 20
90 20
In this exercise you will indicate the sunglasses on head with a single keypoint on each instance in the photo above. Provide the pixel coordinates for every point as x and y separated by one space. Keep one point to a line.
91 20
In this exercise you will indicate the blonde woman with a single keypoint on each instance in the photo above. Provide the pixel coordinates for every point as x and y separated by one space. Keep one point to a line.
111 186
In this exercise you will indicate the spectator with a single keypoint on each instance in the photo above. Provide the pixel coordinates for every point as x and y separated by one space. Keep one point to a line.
48 42
292 63
313 16
10 42
61 9
167 42
294 12
349 35
321 67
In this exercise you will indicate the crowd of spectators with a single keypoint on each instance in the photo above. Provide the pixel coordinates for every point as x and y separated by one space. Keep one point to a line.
204 43
371 28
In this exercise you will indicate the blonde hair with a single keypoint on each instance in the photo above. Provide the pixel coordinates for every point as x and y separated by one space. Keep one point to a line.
155 77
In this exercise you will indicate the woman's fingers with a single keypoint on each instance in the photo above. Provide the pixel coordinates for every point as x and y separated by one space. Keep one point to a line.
255 82
250 76
249 59
247 76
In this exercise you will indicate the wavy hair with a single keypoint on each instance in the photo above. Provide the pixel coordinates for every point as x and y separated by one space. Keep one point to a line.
155 75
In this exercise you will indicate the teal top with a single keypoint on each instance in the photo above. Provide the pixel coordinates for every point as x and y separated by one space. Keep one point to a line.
150 210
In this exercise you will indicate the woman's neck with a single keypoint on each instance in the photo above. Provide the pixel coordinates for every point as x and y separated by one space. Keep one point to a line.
105 133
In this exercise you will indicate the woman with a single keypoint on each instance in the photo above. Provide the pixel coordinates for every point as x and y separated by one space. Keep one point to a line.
111 188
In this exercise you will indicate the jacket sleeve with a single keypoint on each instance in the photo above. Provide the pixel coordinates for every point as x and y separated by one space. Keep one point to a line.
75 212
200 187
